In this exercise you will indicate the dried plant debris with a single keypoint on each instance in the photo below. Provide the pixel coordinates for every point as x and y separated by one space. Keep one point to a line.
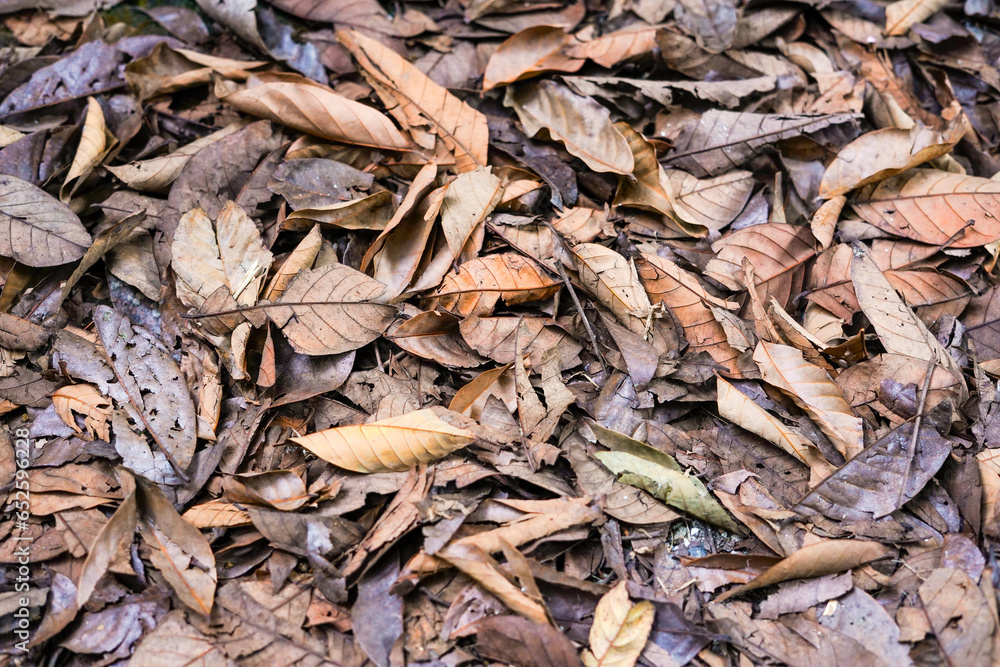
541 333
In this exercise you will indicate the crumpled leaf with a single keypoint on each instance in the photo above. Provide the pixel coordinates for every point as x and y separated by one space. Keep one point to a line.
419 104
480 283
619 631
397 443
613 280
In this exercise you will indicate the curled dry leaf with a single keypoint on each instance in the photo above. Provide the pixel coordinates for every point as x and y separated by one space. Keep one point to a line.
483 281
398 443
469 199
90 151
314 109
529 53
613 280
618 46
580 123
35 228
934 207
813 390
112 536
419 104
330 310
815 560
619 631
86 400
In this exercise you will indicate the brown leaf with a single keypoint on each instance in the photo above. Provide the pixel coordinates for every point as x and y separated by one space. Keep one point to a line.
778 253
935 207
619 631
613 280
713 22
711 203
721 140
174 639
959 617
35 228
119 528
435 335
615 47
331 310
580 123
314 109
901 15
814 391
419 104
815 560
482 282
530 53
518 641
153 384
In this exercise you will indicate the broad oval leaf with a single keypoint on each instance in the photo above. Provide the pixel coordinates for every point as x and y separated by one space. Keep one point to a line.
712 202
398 443
934 207
35 228
610 49
529 53
314 109
481 282
331 310
580 123
778 253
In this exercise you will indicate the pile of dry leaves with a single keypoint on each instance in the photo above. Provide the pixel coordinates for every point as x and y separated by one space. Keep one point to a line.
604 333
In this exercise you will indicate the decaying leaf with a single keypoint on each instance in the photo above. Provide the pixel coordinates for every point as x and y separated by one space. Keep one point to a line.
615 283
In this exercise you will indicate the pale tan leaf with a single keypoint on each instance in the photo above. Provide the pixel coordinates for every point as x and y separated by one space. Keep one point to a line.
877 155
398 443
217 513
740 409
314 109
824 220
90 150
483 281
900 330
300 259
580 123
529 53
468 200
228 253
86 400
712 202
619 630
419 104
814 391
158 173
471 398
933 207
815 560
330 310
613 281
902 15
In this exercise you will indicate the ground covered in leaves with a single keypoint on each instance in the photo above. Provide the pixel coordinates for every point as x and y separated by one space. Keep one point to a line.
530 332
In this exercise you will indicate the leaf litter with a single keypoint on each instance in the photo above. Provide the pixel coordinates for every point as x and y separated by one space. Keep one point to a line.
536 333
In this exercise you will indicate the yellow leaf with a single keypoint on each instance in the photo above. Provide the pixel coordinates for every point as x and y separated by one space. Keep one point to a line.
619 631
398 443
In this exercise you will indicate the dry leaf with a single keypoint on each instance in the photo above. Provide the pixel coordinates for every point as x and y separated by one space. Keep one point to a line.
35 228
613 280
529 53
620 629
902 15
391 444
482 282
